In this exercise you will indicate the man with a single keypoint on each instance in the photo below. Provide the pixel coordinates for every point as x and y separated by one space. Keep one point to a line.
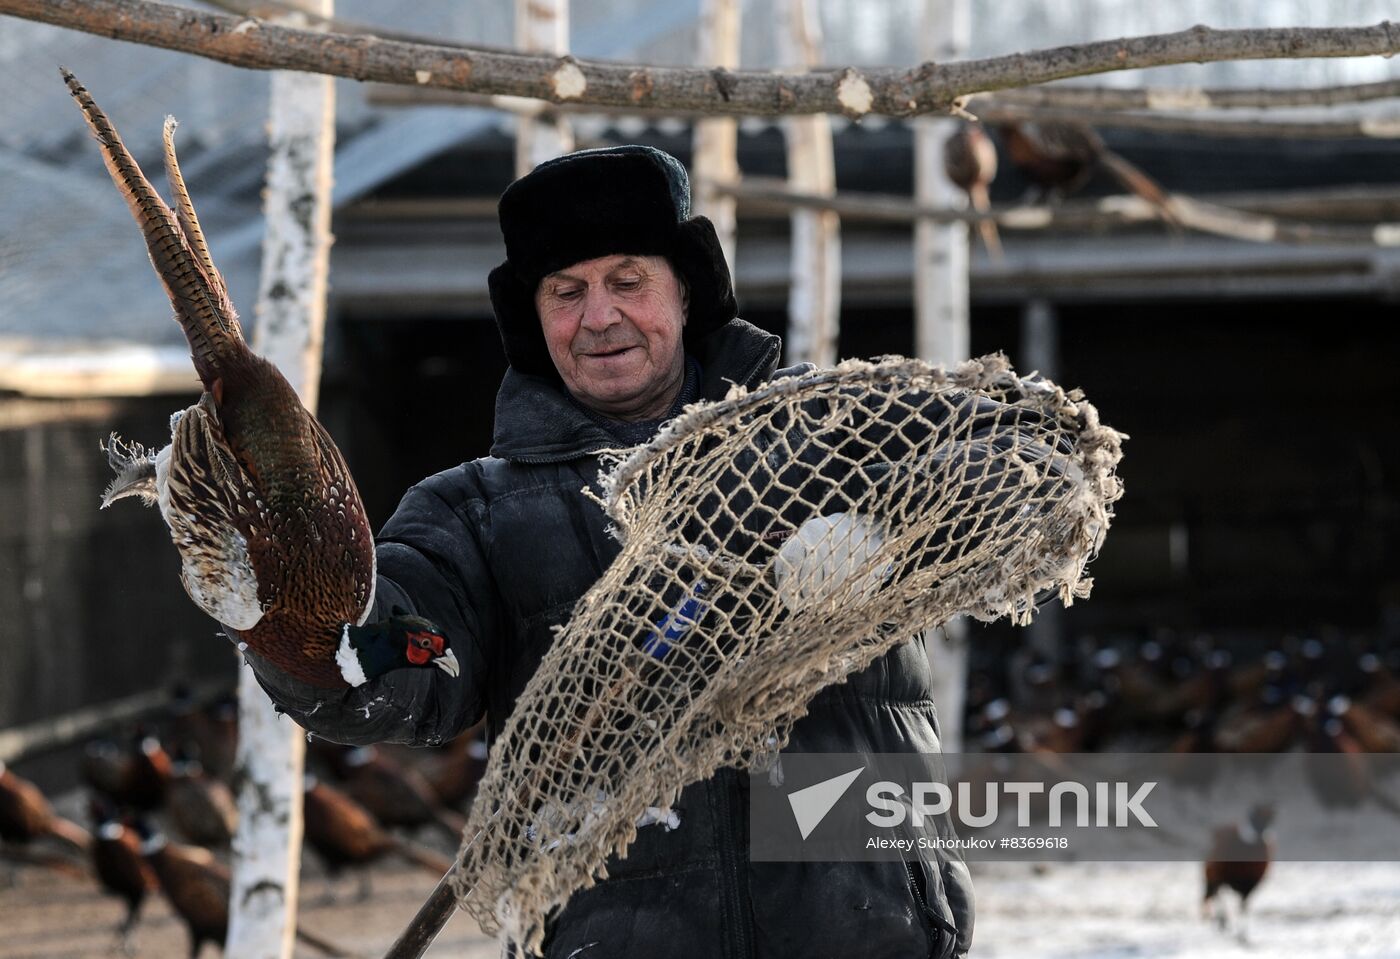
615 309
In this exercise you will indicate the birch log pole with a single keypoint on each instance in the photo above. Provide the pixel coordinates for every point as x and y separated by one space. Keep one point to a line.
541 26
716 143
941 332
290 329
814 301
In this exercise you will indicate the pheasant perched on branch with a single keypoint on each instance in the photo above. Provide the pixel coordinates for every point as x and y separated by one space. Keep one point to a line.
272 536
970 162
1060 157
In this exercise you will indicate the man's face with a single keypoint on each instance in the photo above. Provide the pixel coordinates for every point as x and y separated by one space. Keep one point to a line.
613 327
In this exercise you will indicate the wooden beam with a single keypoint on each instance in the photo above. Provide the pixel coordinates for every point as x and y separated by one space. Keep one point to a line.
541 27
1193 214
814 303
768 197
942 310
290 332
1217 124
1189 99
56 732
715 154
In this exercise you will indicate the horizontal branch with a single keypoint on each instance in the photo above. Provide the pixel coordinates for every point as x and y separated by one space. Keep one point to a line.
990 111
1190 213
1357 204
66 729
1187 99
930 87
1214 125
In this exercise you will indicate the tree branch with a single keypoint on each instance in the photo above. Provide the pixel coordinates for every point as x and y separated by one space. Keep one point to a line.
994 111
1191 213
1214 125
1188 99
930 87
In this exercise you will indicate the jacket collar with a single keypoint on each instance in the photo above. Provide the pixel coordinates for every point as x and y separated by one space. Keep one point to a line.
536 423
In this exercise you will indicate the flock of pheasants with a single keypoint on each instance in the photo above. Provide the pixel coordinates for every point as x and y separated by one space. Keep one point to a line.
162 813
1179 694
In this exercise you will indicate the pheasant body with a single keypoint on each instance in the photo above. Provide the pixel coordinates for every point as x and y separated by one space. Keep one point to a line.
272 535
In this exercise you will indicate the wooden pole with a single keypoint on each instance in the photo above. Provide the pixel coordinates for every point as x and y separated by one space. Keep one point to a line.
716 139
541 26
1040 352
814 303
290 330
941 332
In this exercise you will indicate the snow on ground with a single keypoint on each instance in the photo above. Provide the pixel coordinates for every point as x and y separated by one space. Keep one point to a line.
1152 911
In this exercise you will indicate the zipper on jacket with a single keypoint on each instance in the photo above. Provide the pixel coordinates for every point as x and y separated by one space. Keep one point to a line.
916 885
734 884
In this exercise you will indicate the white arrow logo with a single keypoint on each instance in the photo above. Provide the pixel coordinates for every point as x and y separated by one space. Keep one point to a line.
810 805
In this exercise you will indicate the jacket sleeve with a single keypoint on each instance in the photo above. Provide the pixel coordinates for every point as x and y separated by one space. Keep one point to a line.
431 563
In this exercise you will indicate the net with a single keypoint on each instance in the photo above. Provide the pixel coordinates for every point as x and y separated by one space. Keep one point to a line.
773 543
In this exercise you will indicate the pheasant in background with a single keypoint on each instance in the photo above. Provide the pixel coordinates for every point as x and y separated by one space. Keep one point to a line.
122 870
25 815
201 807
397 795
197 887
271 532
1239 858
345 834
133 778
970 162
1060 157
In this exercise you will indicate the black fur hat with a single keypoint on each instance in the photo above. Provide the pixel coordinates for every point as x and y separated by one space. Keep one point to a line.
627 199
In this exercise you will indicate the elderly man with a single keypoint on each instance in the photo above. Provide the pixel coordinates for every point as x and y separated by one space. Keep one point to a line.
615 309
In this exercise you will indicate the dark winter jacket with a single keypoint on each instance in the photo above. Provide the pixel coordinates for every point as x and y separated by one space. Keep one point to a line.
496 552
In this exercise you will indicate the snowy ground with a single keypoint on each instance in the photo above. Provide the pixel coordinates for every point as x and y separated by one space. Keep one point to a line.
1151 910
1085 911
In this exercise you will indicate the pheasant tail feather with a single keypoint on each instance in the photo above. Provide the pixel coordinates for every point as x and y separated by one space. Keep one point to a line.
176 247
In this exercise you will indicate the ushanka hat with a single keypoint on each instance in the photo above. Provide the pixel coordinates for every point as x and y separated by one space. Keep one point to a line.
580 206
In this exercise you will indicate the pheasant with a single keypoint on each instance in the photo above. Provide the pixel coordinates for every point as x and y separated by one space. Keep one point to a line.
201 807
346 834
121 869
25 815
1239 858
1061 157
970 162
197 887
272 536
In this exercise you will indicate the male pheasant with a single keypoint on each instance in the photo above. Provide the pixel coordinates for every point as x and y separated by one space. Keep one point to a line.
272 536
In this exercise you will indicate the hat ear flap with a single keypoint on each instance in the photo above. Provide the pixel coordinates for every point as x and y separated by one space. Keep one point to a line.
518 322
700 259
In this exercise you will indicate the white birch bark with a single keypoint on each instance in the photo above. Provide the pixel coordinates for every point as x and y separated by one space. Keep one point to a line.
290 328
941 332
814 302
541 26
716 139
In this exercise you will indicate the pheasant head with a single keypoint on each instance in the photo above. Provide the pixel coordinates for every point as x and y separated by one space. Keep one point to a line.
403 640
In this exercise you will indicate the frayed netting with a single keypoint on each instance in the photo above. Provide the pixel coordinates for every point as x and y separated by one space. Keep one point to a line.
773 543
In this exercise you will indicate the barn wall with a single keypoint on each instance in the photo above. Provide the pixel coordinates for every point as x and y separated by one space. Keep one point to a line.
90 605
